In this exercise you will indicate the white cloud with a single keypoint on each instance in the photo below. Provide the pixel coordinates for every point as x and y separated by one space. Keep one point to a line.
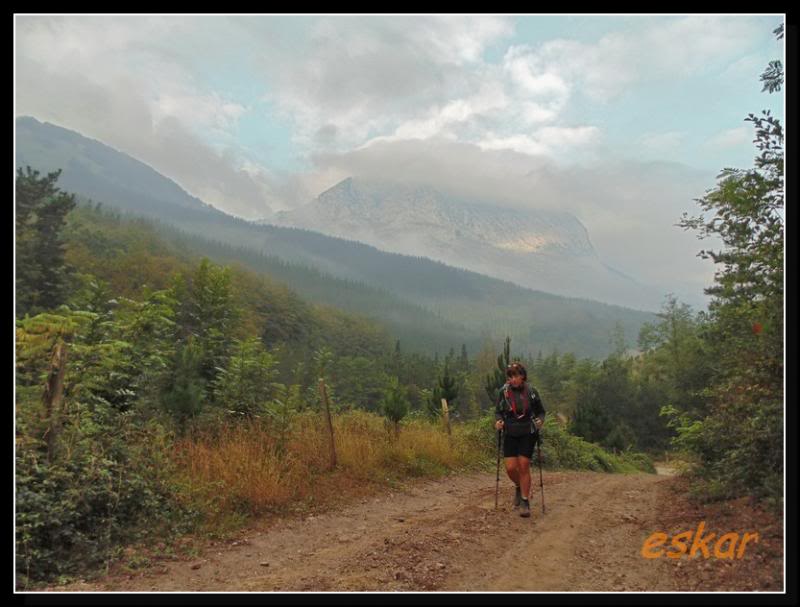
211 113
662 142
730 138
357 79
517 143
389 96
459 39
552 141
554 136
659 49
535 113
747 68
64 41
696 42
384 79
532 75
121 81
456 116
369 75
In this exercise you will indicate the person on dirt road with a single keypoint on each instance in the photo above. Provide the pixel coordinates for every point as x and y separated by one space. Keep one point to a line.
519 413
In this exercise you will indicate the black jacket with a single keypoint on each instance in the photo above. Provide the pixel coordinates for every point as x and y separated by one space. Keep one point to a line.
514 425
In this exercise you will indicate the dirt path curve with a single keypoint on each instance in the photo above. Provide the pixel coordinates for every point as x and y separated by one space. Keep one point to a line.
442 535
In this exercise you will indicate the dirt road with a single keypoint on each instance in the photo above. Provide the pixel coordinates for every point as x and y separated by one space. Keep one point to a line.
441 535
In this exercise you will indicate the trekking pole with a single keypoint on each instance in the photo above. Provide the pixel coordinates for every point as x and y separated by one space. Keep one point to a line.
497 486
539 458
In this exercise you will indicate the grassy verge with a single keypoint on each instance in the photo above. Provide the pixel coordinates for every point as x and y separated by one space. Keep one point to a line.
228 475
250 469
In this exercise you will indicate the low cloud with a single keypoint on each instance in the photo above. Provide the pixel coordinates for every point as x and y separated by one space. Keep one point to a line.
68 73
629 208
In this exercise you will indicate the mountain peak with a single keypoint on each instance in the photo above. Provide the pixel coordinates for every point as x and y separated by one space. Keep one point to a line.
543 249
344 186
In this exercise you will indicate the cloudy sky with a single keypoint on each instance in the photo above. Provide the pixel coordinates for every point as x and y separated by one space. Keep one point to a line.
620 119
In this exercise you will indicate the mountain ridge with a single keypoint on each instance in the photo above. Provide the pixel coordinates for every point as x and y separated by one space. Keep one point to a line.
487 305
543 249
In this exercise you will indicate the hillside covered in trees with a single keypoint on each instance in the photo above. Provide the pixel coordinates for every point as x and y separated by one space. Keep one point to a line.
424 301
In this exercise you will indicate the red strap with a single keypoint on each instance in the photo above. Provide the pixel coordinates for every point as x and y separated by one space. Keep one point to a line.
510 396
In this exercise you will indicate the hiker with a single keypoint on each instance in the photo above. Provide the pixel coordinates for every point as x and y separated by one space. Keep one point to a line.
519 413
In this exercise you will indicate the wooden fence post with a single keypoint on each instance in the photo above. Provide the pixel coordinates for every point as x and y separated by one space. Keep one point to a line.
324 394
446 415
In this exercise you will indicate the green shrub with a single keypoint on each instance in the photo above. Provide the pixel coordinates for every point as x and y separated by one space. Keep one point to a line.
72 514
562 450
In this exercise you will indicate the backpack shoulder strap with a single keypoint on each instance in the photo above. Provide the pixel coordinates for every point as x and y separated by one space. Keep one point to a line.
505 395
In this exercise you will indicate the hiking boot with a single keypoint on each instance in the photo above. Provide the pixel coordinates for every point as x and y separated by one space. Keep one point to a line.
517 496
524 508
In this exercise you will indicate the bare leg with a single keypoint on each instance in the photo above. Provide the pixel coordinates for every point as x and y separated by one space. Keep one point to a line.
512 469
523 470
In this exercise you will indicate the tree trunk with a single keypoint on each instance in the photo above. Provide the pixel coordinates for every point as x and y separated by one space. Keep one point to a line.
51 398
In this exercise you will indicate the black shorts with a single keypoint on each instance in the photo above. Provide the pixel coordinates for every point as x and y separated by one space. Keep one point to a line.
514 446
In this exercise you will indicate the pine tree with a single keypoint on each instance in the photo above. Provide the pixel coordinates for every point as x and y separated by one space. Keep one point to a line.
497 379
395 404
185 396
245 386
446 387
397 360
41 210
463 362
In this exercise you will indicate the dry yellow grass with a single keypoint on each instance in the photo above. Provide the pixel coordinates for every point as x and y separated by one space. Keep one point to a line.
243 468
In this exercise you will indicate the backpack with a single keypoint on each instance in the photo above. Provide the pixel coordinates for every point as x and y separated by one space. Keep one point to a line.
513 426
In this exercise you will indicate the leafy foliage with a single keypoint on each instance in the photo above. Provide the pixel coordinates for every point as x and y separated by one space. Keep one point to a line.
107 480
737 445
